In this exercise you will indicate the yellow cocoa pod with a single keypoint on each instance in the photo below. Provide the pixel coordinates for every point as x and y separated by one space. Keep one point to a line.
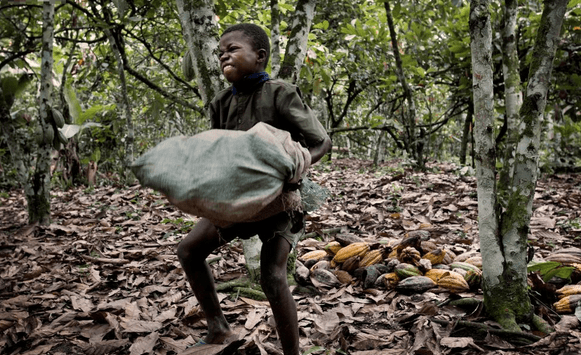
568 290
371 258
436 274
313 255
567 304
393 254
354 249
454 282
333 247
436 256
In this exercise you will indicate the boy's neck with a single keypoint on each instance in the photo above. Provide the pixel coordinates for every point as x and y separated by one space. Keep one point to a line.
249 81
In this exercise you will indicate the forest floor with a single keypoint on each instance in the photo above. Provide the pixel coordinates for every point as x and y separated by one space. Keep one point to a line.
104 277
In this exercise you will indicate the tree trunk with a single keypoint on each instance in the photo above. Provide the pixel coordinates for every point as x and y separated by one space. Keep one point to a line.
466 134
512 85
409 117
378 156
38 192
296 48
201 34
115 41
504 229
274 38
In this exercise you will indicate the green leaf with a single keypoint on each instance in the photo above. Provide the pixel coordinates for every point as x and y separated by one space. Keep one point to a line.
96 156
91 112
314 349
9 85
322 25
326 77
75 109
550 269
542 266
420 71
562 272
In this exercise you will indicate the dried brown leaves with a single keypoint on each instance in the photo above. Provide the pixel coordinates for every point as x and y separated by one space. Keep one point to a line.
103 278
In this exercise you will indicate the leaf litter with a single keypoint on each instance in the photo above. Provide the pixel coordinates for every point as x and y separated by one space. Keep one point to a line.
104 278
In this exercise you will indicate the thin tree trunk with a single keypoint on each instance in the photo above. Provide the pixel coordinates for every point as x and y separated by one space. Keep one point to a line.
296 48
512 86
410 117
466 137
115 41
38 196
378 157
274 38
201 34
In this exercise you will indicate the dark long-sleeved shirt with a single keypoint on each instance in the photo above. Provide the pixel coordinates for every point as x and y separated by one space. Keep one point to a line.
275 102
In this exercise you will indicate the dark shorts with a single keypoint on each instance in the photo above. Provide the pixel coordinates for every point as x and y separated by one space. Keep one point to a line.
289 224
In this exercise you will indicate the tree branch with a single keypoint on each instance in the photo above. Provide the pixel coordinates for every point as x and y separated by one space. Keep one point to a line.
159 90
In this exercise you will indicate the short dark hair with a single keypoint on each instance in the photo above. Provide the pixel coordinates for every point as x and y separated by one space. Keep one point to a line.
256 34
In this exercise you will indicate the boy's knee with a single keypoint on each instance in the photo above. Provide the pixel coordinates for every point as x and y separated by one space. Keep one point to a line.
273 283
183 251
199 243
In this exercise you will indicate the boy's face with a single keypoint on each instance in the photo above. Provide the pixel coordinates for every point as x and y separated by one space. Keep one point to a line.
238 58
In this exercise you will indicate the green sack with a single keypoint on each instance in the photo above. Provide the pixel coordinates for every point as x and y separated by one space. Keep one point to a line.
222 174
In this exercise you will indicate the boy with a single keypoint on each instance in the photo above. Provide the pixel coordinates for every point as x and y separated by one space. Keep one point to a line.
253 98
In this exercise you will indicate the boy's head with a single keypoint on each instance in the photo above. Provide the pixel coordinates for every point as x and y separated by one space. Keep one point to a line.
244 49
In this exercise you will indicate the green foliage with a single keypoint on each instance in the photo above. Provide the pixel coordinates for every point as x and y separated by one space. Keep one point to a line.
349 48
550 269
183 226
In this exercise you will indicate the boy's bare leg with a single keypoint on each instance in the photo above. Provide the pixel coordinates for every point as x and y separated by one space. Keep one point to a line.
192 252
273 259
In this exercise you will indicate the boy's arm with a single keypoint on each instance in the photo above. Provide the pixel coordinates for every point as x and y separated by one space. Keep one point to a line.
319 150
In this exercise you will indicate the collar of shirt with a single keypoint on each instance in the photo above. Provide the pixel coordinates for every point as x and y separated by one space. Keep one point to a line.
249 81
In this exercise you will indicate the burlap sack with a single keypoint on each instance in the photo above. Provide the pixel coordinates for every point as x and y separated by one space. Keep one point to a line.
227 176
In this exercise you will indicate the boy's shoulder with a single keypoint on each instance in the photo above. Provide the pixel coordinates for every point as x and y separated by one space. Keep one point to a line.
280 83
271 85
